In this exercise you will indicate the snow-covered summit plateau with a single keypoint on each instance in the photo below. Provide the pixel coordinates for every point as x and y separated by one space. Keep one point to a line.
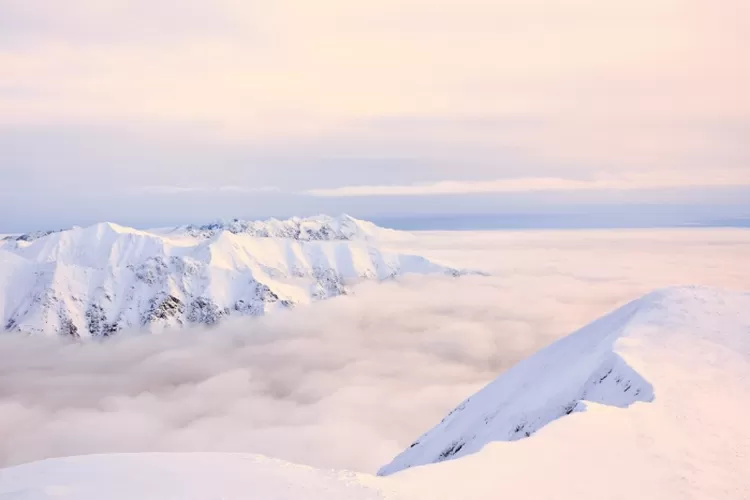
97 280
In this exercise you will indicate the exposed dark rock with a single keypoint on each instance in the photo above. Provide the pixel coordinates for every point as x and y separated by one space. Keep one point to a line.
96 322
329 284
570 407
95 319
323 229
153 270
251 307
164 309
451 450
203 310
67 327
36 235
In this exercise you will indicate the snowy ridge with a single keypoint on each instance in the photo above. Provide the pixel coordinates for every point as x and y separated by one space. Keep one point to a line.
586 366
318 228
98 280
35 235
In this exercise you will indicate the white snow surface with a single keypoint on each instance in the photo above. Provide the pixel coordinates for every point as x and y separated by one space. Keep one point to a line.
619 360
97 280
685 351
178 476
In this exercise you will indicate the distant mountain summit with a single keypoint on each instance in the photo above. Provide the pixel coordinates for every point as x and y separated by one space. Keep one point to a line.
318 228
98 280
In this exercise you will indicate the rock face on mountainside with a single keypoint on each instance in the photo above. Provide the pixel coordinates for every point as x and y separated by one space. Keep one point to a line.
624 358
98 280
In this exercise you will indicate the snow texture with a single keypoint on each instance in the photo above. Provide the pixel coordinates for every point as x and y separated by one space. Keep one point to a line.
96 281
586 366
163 476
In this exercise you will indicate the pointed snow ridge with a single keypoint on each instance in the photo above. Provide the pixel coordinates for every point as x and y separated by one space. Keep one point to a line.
594 364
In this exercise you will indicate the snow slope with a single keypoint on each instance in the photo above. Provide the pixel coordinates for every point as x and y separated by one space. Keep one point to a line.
685 436
186 476
681 350
98 280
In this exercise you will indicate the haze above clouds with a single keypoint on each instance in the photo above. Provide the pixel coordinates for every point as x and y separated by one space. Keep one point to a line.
140 104
349 382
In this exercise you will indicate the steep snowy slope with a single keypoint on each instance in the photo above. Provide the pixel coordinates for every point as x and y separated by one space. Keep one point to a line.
97 280
642 353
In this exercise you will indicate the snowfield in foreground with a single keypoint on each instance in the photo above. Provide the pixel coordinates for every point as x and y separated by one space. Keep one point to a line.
98 280
564 424
178 476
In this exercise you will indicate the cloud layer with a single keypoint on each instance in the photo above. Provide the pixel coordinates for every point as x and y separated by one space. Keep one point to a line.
532 184
349 382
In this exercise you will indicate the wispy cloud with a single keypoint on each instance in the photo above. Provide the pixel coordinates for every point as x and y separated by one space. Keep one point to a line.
532 184
166 189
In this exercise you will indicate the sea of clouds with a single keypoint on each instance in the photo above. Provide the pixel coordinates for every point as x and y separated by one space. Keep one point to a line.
350 382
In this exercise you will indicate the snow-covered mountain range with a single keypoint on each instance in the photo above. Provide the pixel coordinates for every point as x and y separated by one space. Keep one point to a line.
97 280
648 402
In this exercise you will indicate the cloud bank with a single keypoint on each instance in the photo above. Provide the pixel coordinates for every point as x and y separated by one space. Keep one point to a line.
520 185
350 382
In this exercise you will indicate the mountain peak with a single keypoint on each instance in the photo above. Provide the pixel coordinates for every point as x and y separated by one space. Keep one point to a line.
97 280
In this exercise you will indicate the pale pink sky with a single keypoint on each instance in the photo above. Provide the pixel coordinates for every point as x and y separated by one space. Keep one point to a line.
299 98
